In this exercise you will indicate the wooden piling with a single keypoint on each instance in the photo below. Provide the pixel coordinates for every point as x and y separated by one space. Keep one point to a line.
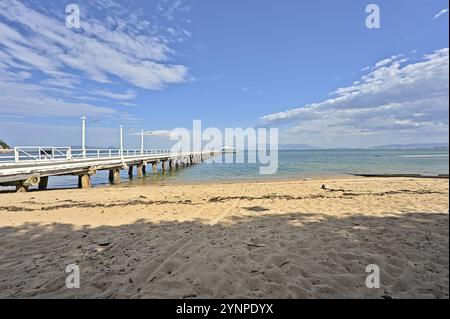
114 176
21 188
155 167
84 181
43 183
130 171
163 166
140 170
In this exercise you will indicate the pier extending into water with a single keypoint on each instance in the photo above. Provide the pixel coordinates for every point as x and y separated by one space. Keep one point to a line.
25 167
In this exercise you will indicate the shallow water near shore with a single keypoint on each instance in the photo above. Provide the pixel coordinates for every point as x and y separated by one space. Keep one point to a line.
291 165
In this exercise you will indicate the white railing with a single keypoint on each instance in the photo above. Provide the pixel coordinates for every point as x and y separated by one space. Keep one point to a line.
42 154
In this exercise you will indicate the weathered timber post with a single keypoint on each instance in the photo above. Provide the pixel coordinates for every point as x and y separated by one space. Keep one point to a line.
114 176
140 170
163 166
23 186
43 183
130 171
84 180
155 167
171 164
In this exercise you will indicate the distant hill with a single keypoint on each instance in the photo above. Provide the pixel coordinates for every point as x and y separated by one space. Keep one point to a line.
3 145
412 146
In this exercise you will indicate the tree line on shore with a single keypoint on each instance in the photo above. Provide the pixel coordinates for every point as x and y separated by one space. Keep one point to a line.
3 144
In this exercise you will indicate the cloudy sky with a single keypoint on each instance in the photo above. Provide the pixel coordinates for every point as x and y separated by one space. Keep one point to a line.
311 68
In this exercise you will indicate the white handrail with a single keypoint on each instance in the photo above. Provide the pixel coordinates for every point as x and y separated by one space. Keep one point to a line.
52 153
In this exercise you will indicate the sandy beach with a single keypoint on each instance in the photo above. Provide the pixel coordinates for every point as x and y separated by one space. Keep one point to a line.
280 239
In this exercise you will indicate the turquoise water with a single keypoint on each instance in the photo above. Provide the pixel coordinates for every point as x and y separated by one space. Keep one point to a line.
293 164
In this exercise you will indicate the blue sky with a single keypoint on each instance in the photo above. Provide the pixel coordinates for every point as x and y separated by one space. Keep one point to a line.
311 68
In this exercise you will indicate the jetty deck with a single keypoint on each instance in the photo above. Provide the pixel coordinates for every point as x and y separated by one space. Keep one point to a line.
24 167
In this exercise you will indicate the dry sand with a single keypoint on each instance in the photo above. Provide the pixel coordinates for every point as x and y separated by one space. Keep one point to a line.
270 240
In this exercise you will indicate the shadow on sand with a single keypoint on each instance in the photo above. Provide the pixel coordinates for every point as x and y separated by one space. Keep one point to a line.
263 255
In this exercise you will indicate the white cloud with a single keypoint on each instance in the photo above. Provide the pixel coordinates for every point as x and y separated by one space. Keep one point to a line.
440 13
129 104
43 43
128 95
390 102
48 70
387 61
32 100
171 8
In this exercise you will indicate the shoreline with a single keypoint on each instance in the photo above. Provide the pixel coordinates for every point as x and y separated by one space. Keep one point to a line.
280 179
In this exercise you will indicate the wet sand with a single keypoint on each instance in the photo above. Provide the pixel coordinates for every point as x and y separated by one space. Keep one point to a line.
278 239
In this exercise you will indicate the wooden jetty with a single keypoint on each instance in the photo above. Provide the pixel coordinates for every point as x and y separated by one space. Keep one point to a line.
24 167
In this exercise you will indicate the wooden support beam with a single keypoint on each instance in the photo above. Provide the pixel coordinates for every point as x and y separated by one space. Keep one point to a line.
84 181
130 171
163 166
21 188
43 183
140 170
24 185
155 167
114 176
171 164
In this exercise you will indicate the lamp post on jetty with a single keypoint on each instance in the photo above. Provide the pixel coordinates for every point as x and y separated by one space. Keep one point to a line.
121 140
142 142
83 135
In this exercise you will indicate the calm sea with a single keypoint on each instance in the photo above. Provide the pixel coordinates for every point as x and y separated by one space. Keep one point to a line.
293 164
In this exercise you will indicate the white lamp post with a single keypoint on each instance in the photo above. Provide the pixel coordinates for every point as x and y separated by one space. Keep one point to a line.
121 140
142 142
83 136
